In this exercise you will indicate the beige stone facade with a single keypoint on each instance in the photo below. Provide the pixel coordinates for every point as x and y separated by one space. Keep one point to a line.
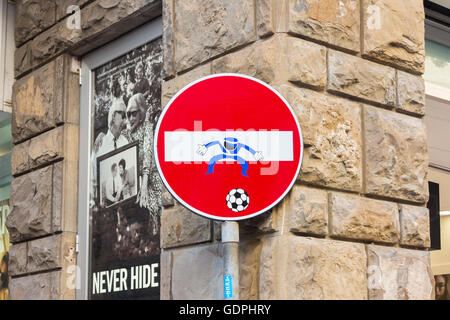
354 226
359 202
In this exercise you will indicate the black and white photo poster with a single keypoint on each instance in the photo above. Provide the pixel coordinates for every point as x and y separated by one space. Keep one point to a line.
125 188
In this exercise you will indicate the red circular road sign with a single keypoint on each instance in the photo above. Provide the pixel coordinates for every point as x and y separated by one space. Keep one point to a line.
228 146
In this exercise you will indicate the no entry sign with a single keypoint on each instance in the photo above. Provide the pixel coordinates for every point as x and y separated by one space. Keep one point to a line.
228 147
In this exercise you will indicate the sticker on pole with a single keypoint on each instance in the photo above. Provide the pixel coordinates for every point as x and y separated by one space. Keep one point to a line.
228 147
227 287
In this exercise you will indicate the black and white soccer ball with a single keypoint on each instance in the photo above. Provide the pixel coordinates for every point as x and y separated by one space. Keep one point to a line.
237 200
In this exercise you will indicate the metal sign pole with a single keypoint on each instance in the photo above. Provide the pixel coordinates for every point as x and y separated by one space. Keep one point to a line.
279 140
230 240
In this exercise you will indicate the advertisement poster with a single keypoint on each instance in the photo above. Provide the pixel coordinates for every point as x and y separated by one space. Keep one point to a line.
4 248
125 188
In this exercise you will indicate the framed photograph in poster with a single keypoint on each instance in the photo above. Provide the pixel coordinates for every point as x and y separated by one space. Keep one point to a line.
118 171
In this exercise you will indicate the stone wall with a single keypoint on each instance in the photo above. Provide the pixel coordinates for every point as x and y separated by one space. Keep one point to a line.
45 124
355 225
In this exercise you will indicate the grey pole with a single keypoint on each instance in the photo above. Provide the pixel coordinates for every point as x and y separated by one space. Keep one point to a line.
230 241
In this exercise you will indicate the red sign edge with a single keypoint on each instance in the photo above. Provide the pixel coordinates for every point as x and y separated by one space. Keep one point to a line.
173 193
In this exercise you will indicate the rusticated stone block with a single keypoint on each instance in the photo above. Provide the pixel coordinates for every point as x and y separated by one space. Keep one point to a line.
32 17
268 275
63 283
217 231
105 20
57 251
23 59
17 259
67 104
65 196
20 160
258 60
277 59
43 254
180 226
399 274
167 38
280 16
362 79
225 24
306 62
57 196
396 155
331 130
64 173
166 274
203 279
410 93
249 262
44 46
46 147
415 226
265 222
171 87
42 286
308 211
99 24
50 146
353 217
46 97
31 205
167 199
35 287
71 134
65 176
33 103
334 22
394 32
264 21
294 267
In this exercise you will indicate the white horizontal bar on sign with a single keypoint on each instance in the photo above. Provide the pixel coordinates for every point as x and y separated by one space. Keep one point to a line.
273 145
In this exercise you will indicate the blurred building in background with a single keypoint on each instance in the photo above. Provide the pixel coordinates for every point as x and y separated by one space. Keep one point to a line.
437 89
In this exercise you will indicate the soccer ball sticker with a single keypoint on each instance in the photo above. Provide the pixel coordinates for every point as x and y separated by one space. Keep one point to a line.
237 200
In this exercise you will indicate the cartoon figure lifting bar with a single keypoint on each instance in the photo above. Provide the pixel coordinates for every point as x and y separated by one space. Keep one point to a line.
230 149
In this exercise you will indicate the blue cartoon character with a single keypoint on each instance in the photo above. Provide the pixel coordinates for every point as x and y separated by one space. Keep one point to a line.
230 149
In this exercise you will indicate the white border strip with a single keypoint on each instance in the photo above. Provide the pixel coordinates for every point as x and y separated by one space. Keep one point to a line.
437 91
210 216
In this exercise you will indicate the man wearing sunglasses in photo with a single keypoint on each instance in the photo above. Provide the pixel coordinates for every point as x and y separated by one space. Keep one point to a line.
116 123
